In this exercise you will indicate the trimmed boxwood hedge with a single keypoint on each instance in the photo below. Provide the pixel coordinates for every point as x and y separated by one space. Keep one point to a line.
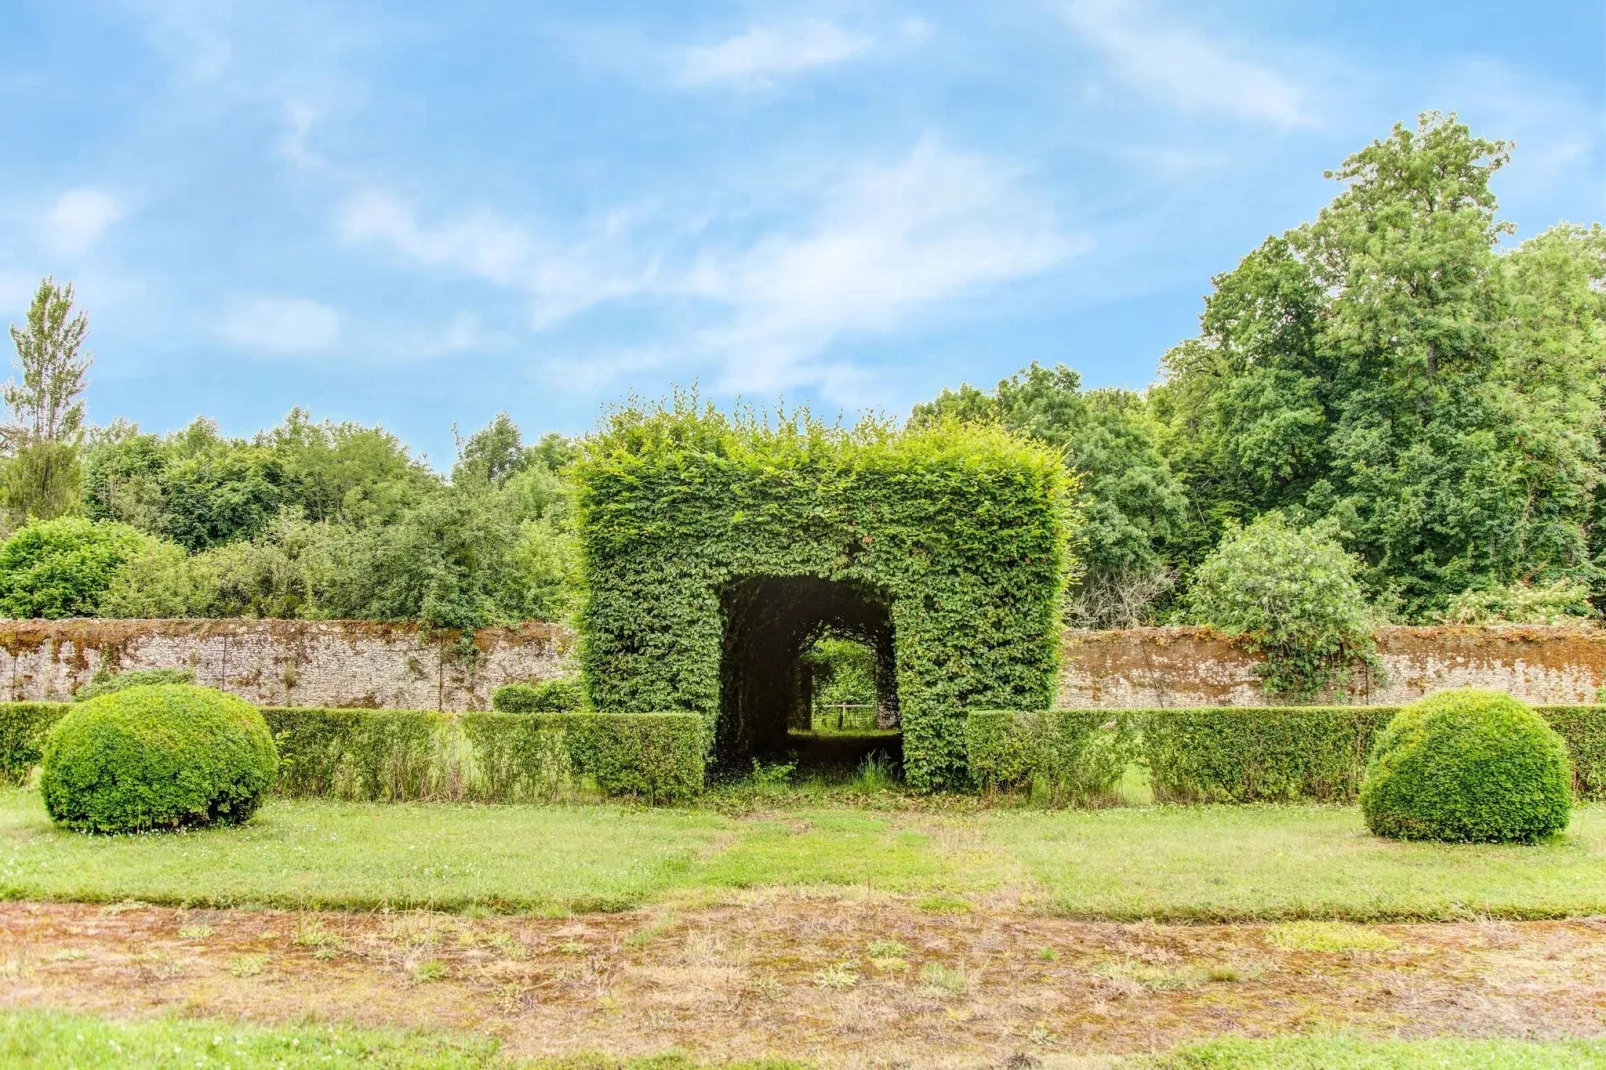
956 532
1272 754
1076 756
157 757
1259 754
1224 754
494 757
1468 766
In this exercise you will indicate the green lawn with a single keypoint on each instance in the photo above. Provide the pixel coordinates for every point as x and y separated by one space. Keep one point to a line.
1352 1053
40 1038
1247 862
1225 862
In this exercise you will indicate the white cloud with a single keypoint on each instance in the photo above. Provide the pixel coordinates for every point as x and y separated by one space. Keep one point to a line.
281 326
879 244
762 54
481 244
77 219
889 241
1187 67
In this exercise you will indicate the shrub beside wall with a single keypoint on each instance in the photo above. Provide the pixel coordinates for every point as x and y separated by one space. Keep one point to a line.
23 726
1076 756
566 694
157 757
1468 766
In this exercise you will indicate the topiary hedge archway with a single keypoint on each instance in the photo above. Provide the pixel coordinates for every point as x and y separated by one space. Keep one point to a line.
947 543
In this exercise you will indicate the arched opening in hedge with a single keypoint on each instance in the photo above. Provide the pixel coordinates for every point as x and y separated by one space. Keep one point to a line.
770 625
714 546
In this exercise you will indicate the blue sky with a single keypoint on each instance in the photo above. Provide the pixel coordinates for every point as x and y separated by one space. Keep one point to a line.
421 213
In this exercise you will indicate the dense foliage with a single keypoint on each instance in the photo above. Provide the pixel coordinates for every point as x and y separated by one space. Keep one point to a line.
1292 596
566 694
1387 367
1468 766
156 757
1390 369
955 534
306 520
1131 503
63 568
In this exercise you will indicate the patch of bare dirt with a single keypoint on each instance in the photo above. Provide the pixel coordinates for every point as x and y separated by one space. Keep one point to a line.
845 982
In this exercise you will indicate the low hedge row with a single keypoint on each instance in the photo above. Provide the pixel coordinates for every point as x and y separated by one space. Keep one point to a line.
1075 756
399 755
1224 754
1233 754
494 757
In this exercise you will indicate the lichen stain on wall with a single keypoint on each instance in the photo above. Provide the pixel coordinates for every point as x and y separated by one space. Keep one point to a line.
400 666
273 662
1181 667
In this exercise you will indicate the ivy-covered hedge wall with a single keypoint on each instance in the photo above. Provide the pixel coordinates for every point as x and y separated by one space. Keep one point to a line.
956 534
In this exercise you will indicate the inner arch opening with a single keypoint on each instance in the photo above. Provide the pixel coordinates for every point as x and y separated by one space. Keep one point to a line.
769 661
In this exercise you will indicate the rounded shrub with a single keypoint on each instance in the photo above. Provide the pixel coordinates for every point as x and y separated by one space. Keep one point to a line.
157 757
1467 766
566 694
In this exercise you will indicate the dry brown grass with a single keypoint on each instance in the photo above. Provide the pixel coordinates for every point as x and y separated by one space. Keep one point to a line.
797 976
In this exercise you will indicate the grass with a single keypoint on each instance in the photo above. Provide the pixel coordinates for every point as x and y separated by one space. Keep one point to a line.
320 854
1169 863
1355 1053
1239 863
45 1038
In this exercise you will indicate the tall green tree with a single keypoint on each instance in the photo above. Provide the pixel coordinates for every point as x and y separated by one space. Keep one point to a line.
1384 367
43 476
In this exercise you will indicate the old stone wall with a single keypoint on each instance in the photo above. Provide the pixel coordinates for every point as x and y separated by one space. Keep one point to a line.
286 663
1180 667
398 666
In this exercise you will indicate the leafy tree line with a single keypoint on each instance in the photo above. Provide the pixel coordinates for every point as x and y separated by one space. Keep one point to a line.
308 519
1397 379
1392 412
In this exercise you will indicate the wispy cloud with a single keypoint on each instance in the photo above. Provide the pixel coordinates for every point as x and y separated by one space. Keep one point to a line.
1187 67
482 244
281 326
77 219
887 241
881 242
763 54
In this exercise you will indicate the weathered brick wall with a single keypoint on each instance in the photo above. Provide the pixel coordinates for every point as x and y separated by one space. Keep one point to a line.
276 662
397 666
1176 667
